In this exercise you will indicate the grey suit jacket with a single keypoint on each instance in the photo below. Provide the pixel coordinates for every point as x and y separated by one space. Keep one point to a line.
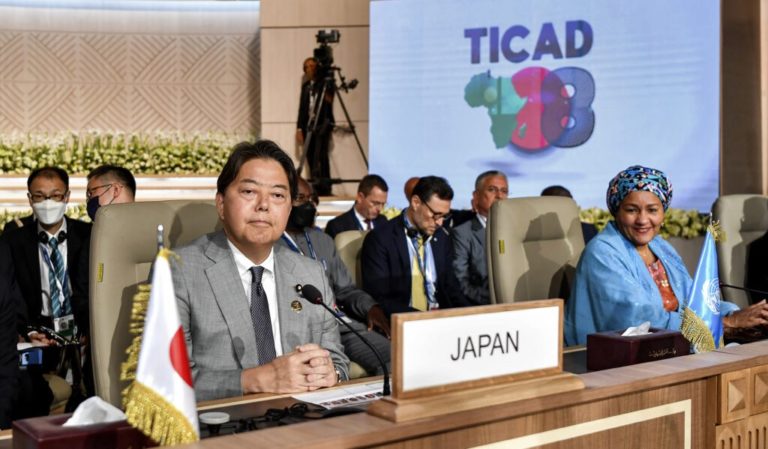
216 317
352 300
469 263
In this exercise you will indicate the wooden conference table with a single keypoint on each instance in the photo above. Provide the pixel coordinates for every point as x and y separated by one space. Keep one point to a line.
718 399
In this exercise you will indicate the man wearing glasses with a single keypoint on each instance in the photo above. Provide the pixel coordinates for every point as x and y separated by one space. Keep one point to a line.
469 238
109 184
406 262
45 254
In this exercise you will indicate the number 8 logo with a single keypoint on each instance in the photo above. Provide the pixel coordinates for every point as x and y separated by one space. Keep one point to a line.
551 116
572 125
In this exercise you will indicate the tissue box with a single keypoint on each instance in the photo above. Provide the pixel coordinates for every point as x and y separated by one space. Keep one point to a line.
609 349
47 432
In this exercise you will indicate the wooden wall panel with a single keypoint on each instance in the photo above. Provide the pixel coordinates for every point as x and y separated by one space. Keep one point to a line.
744 142
70 69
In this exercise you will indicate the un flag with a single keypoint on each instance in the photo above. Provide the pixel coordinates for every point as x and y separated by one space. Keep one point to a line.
702 322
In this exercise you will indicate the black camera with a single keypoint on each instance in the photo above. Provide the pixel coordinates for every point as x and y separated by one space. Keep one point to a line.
327 36
324 53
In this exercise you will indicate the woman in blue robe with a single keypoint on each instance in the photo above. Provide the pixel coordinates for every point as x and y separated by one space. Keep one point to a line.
629 274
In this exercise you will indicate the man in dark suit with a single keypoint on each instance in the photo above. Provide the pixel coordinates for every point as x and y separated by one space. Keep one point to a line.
46 255
406 262
10 303
365 215
322 117
469 263
361 311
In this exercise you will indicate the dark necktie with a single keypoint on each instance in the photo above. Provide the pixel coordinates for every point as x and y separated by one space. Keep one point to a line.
262 323
368 225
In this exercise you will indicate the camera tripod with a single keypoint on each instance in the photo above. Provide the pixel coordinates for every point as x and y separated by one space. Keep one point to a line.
329 86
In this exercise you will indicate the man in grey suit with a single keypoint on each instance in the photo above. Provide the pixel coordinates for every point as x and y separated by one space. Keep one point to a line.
469 238
302 237
247 328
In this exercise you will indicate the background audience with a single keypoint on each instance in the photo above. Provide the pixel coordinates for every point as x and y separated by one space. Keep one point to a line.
406 262
469 262
358 307
366 212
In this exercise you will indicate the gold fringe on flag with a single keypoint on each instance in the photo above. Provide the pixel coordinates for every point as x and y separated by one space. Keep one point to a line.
718 235
696 331
136 327
157 418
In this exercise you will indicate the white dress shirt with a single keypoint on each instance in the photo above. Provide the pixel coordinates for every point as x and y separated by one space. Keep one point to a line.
244 265
45 269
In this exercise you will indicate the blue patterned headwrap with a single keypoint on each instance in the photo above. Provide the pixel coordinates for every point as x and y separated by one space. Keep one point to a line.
638 178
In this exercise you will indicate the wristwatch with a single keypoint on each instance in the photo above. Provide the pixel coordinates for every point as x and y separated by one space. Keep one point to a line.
339 376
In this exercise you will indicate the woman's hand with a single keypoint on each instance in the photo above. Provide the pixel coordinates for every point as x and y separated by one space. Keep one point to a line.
754 315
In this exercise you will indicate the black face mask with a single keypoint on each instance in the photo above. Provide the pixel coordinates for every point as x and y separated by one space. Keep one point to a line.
302 216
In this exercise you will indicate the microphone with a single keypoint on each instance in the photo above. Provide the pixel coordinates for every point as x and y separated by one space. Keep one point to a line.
313 295
750 290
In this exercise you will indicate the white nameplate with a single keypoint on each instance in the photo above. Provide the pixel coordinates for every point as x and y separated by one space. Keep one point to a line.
465 347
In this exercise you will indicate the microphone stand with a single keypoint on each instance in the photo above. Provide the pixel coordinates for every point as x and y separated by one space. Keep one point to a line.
318 299
745 289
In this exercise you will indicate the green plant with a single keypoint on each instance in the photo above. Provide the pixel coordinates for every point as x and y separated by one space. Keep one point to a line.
148 154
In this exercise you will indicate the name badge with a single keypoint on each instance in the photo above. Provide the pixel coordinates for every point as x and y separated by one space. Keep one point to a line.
65 325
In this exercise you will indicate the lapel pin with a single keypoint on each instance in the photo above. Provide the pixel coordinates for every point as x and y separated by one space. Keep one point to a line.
296 305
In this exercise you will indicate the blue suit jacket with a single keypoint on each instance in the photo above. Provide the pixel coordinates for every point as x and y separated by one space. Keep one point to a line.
348 222
386 268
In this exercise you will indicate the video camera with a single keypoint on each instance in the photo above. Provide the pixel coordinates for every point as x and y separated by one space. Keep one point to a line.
324 53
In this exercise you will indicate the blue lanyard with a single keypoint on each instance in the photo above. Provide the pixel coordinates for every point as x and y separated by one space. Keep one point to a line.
293 246
52 270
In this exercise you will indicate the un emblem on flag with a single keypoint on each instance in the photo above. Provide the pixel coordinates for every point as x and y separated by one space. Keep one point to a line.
711 293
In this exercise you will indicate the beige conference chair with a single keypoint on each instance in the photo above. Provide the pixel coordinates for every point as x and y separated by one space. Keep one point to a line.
743 218
349 245
532 247
123 246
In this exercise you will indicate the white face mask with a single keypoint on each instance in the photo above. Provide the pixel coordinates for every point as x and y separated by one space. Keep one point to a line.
49 211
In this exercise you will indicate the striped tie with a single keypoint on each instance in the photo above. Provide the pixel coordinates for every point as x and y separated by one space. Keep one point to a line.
58 281
262 323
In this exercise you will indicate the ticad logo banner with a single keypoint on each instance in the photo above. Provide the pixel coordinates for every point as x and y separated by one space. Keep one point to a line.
536 108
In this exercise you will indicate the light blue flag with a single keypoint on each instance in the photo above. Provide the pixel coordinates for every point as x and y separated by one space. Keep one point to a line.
702 322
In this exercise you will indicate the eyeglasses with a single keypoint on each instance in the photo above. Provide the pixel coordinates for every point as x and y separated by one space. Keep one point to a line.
437 216
89 193
39 197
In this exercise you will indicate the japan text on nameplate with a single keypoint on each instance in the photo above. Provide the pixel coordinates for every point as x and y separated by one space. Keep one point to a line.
460 348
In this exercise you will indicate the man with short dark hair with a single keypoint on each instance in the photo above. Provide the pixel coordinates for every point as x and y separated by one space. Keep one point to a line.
247 328
109 184
469 264
46 254
365 215
357 306
406 262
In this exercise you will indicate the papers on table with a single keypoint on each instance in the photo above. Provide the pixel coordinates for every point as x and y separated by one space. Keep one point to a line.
344 396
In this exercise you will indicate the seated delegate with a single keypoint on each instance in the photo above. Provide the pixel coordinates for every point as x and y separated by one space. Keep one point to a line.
629 274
